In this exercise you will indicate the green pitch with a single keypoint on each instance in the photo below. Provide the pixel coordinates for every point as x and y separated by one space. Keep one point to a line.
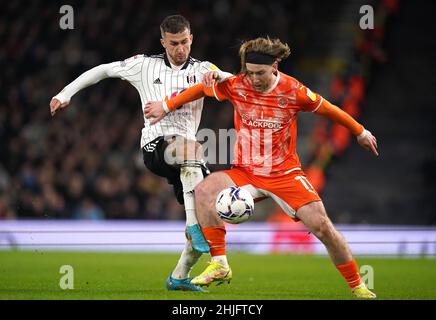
36 275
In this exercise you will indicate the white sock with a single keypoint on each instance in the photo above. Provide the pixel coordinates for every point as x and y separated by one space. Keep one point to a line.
222 260
187 260
189 200
190 176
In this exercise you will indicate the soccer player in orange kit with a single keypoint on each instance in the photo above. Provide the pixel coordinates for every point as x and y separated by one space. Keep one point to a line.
266 102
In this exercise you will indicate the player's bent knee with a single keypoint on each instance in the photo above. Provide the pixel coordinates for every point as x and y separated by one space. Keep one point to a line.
201 191
204 194
207 190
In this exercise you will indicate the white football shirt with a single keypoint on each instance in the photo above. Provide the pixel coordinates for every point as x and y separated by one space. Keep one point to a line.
154 79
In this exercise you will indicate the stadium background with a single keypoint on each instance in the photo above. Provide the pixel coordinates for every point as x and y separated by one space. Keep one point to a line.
86 163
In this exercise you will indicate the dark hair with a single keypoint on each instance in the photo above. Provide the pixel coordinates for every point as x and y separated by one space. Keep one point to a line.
174 24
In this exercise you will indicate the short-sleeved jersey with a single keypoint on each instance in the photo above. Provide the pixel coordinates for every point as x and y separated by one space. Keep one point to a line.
154 79
266 123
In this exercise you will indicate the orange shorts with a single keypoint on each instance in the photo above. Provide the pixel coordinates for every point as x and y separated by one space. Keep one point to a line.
290 191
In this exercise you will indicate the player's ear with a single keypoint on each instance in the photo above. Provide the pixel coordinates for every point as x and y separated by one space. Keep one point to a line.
275 65
162 42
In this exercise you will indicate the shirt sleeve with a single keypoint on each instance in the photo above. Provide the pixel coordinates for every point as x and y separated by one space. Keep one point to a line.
207 66
191 94
307 100
221 90
338 115
128 69
86 79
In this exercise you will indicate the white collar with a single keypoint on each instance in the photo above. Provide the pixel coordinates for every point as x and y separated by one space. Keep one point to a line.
177 68
274 84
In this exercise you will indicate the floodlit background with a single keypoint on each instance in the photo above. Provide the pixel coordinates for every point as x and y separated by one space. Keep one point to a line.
76 182
86 163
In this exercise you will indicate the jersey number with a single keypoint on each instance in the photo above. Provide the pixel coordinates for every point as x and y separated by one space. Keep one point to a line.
306 183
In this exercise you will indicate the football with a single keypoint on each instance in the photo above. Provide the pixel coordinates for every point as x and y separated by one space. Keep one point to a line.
234 205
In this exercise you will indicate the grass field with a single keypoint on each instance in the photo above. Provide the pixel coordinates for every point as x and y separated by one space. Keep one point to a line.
35 275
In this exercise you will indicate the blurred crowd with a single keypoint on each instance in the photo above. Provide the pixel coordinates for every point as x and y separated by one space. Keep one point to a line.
86 161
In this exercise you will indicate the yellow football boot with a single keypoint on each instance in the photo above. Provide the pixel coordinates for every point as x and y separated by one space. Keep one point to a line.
361 291
214 272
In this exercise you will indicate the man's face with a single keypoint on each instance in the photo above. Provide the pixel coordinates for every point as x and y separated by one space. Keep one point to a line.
261 75
178 46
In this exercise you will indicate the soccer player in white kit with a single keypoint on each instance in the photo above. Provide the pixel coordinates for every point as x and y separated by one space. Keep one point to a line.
169 147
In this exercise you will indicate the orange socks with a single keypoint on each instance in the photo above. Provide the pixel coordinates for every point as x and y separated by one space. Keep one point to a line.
215 236
350 272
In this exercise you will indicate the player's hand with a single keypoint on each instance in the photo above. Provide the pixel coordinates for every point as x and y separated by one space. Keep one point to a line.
210 77
154 111
369 142
56 104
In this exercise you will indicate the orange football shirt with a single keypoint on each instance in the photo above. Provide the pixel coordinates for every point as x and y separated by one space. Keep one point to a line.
266 123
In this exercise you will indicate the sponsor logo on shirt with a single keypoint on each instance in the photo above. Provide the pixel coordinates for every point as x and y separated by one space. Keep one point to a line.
264 123
311 95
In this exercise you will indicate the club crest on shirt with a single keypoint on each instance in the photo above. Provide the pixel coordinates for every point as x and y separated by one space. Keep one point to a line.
282 102
192 79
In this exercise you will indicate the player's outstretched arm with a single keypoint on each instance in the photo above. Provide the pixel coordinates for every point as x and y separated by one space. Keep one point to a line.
157 110
210 77
90 77
364 137
368 141
56 104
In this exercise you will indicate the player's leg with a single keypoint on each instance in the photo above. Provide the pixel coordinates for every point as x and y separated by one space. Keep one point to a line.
186 155
297 197
179 278
218 270
154 159
206 193
315 218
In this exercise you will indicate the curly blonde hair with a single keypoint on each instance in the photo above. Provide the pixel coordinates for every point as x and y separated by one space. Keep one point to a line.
272 47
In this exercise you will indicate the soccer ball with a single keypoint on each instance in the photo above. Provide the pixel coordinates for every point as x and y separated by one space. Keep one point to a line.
234 205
